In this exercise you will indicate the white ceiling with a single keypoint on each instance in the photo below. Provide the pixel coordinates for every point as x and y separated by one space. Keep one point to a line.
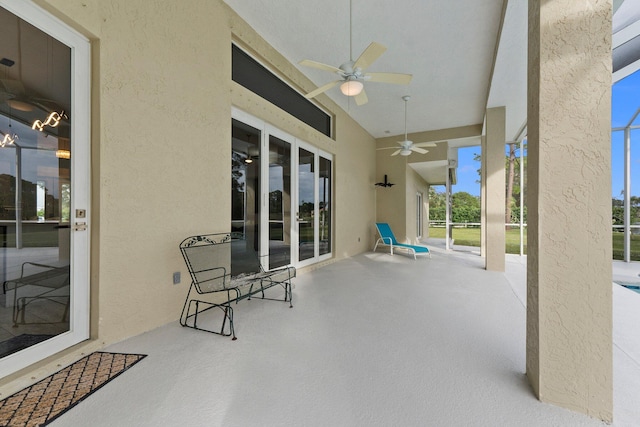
626 39
448 46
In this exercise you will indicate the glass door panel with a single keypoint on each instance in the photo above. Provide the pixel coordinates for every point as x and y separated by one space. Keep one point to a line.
324 202
35 241
306 204
245 196
279 202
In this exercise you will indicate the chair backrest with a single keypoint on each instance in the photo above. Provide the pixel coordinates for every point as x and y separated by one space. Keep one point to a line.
208 259
244 257
385 232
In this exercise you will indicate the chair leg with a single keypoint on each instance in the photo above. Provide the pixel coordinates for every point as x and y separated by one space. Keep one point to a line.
231 329
224 319
289 292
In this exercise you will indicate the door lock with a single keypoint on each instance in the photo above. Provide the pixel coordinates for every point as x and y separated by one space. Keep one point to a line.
80 226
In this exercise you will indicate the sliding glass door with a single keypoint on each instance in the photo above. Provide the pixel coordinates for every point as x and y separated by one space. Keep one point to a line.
324 205
313 214
280 200
281 194
306 210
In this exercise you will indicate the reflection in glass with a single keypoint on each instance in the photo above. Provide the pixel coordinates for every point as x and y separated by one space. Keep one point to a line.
325 205
279 202
245 196
34 235
306 204
419 215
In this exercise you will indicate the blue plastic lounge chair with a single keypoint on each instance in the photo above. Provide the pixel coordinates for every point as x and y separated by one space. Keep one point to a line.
388 239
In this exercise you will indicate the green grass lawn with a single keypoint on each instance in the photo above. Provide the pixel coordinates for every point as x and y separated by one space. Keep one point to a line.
618 246
471 237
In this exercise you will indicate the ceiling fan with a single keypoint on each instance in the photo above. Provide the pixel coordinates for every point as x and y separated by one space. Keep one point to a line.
352 73
406 146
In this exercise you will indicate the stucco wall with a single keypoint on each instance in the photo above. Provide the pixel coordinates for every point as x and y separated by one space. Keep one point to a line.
162 154
391 201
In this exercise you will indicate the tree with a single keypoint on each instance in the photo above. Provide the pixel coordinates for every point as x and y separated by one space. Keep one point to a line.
436 200
514 183
617 210
464 199
465 207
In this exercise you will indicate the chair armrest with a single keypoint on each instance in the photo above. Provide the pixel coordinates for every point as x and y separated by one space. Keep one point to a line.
35 264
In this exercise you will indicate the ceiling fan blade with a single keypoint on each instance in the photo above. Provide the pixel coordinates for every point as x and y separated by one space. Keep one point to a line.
321 89
425 144
361 98
387 148
395 78
419 150
320 66
370 54
395 153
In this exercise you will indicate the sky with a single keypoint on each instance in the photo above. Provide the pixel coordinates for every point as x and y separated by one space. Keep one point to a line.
625 101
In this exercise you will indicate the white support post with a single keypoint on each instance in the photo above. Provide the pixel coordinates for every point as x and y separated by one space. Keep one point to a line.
447 214
627 195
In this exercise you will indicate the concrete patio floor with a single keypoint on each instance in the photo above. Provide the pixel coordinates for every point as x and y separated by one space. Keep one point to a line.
374 340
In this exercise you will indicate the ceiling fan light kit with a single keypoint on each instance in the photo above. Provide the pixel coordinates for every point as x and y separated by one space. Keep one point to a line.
351 87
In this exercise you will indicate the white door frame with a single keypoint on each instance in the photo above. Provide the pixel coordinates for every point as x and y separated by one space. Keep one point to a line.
80 189
317 153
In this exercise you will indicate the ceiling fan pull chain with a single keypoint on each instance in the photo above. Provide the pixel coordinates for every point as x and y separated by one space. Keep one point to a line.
350 30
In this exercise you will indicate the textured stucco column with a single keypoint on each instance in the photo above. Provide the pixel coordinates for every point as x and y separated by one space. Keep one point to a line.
569 312
494 189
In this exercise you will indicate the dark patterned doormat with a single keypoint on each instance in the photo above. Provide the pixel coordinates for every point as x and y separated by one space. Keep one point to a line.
46 400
